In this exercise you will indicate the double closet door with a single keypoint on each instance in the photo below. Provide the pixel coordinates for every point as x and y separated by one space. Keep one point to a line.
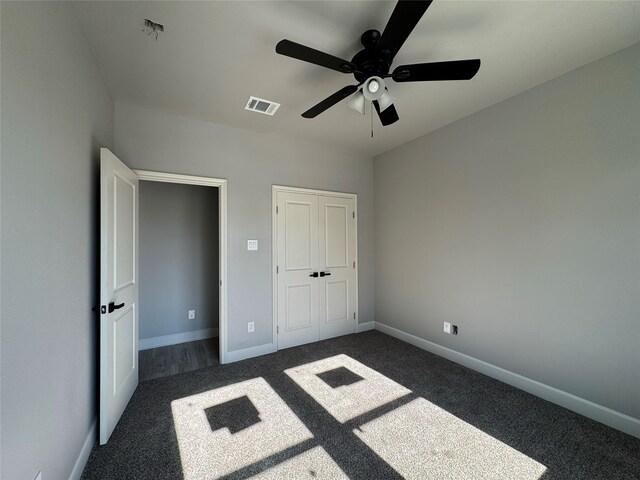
316 267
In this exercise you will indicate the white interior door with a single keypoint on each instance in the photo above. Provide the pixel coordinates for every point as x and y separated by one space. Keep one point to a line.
297 233
315 262
336 252
118 289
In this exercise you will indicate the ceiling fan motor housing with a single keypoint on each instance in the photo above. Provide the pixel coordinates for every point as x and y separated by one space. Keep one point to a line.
371 61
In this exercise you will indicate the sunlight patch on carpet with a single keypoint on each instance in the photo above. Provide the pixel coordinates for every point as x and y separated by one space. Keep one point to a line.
209 449
347 401
313 464
421 440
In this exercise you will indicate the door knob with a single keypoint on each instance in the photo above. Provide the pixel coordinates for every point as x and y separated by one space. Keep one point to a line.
113 306
314 274
325 274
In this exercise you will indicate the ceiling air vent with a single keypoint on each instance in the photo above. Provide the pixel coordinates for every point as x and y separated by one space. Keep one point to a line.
262 106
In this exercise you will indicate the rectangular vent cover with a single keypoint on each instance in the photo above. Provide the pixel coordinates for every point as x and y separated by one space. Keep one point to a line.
261 106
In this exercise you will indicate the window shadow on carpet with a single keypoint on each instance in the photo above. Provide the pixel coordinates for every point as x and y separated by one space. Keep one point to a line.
339 377
236 415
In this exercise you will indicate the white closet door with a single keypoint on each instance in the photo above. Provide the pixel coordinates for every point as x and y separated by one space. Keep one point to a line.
336 256
297 237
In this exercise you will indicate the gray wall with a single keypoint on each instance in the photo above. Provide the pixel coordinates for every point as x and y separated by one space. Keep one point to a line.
56 113
521 224
178 258
251 163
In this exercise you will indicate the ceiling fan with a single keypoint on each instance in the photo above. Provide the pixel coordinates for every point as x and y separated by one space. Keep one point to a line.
371 65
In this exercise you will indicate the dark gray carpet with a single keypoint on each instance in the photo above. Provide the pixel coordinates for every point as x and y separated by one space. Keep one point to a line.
144 444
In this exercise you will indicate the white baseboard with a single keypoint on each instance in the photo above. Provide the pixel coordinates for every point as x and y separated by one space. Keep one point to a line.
589 409
250 352
81 461
164 340
363 327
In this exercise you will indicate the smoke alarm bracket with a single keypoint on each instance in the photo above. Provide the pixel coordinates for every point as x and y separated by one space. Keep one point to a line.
152 28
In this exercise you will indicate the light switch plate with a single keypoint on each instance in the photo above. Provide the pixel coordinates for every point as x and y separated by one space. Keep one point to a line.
252 244
447 327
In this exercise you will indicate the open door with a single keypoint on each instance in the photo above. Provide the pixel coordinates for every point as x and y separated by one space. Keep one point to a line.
118 289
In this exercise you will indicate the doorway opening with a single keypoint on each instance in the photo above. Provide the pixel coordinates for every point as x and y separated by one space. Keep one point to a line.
181 269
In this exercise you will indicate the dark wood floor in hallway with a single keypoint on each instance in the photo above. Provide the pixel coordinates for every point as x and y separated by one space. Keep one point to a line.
180 358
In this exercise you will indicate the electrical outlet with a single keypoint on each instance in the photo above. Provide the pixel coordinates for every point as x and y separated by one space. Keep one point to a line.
251 327
252 244
450 328
192 314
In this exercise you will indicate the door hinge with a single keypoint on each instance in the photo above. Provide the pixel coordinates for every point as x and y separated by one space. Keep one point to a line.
220 282
276 210
277 330
354 214
277 269
103 309
354 264
354 315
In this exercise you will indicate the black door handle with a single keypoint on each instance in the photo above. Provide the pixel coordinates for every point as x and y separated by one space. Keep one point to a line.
113 306
314 274
325 274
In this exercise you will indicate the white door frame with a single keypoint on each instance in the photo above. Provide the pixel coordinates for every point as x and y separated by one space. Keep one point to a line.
221 184
274 245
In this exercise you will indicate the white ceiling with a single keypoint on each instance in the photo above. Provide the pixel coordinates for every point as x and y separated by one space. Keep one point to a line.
213 55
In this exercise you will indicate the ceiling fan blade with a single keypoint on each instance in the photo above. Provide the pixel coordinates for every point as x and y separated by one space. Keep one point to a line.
426 72
311 55
403 20
330 101
388 116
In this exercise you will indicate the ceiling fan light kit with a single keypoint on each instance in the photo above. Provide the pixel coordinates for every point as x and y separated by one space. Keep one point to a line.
373 88
372 64
357 102
386 100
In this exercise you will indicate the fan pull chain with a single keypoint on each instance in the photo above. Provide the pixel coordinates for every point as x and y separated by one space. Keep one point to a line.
371 111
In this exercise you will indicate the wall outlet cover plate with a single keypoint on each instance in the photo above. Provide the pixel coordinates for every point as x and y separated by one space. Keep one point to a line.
252 244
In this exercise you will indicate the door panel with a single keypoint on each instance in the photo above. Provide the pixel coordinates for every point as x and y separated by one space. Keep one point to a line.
337 300
124 347
337 239
298 237
299 305
297 247
336 257
118 285
123 232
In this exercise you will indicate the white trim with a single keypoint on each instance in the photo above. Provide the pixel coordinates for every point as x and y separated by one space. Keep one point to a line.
243 354
221 184
365 327
599 413
176 338
314 191
85 451
274 246
178 178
